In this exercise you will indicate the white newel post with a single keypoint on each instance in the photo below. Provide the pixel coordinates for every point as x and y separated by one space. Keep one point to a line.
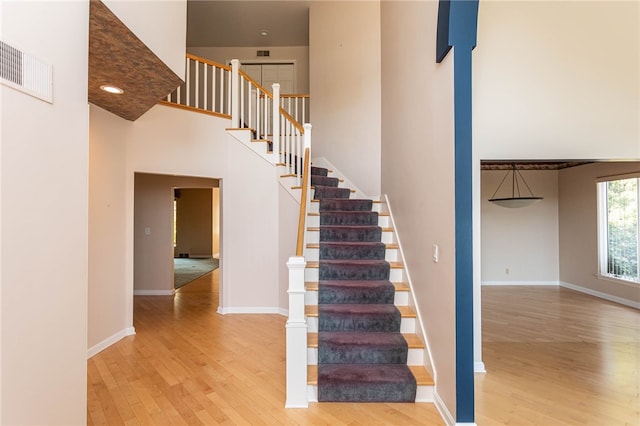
276 122
296 337
235 87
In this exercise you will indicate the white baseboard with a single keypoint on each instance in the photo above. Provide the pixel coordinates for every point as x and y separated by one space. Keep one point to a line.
250 310
552 283
154 292
129 331
442 409
601 295
478 367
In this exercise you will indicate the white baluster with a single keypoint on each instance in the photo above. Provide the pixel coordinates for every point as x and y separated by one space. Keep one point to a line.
276 121
242 86
223 73
296 329
188 82
205 92
197 84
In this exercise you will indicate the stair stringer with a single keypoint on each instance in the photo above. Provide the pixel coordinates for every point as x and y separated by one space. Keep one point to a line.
323 162
425 393
288 182
245 136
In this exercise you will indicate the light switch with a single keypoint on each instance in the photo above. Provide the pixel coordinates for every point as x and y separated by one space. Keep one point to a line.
436 253
147 231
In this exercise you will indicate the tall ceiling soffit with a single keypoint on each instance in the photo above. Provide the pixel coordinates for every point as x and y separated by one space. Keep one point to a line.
118 58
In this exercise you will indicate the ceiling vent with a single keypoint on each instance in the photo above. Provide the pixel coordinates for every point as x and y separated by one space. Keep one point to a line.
263 53
25 73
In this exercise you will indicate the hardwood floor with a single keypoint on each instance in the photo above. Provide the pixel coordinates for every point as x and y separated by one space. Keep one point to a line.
557 357
189 365
553 356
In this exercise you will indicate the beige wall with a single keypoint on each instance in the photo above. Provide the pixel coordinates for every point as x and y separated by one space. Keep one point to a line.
579 229
300 54
417 171
344 72
523 241
161 25
43 261
557 80
194 222
107 303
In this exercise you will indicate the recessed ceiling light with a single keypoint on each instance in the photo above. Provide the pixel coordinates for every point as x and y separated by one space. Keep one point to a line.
112 89
264 33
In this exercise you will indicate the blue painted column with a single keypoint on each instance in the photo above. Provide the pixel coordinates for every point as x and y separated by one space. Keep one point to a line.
457 28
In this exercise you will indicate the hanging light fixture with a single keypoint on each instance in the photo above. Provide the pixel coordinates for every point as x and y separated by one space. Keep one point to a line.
516 200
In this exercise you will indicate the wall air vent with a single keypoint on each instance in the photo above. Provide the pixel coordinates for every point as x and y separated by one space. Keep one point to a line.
25 73
262 53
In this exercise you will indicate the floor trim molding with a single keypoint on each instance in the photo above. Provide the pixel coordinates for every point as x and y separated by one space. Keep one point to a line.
129 331
154 292
601 295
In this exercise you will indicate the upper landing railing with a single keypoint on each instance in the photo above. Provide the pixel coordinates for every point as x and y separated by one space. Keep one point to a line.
228 92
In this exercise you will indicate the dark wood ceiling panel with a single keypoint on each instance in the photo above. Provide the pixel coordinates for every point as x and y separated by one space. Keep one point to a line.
117 57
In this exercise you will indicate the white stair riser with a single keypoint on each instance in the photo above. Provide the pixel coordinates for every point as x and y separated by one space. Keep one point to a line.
401 298
407 325
423 393
414 356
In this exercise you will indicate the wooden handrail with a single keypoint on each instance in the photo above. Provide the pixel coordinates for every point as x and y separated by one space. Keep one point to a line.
207 61
292 120
256 84
303 203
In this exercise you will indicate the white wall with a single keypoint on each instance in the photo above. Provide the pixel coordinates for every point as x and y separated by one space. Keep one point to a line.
300 54
523 241
44 200
579 231
344 72
557 80
417 171
160 24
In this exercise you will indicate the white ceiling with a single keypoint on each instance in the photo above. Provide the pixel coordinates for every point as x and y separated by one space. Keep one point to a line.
239 23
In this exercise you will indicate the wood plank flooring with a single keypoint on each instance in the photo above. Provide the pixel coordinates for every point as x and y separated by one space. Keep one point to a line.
188 365
557 357
553 356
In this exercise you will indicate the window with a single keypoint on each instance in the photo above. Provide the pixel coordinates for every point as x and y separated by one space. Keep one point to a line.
619 239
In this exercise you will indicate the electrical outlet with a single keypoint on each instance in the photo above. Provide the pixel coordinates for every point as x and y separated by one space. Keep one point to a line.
506 271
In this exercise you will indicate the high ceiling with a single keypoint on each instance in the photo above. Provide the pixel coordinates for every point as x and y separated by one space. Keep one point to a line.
239 23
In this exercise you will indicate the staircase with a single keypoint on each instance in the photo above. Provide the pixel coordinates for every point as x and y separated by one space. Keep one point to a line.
362 345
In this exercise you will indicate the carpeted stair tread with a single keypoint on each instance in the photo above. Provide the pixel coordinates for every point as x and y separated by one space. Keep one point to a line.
324 181
354 269
338 204
356 291
347 233
319 171
345 347
358 317
352 250
348 218
330 192
366 383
